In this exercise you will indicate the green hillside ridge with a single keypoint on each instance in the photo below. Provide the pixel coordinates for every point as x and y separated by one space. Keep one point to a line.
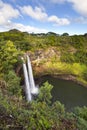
51 54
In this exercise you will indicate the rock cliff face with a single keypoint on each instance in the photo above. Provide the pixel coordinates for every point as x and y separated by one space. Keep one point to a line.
45 54
40 56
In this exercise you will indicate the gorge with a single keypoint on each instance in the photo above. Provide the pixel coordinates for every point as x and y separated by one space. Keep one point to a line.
65 89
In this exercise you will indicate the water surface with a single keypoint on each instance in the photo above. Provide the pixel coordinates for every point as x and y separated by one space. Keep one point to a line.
67 92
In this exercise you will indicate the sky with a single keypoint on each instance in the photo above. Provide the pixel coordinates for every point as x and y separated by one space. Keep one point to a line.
42 16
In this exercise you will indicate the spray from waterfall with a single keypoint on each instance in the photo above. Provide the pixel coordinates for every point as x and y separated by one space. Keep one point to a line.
34 90
27 85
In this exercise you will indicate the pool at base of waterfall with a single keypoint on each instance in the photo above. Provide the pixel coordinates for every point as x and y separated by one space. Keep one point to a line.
67 92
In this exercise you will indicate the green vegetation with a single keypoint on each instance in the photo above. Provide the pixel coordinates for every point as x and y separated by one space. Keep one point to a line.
40 114
79 71
61 55
13 83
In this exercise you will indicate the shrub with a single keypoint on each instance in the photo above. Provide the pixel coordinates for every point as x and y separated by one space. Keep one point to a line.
13 83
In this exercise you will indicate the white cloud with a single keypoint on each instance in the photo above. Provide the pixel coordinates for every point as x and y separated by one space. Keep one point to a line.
23 28
80 6
30 29
37 13
40 14
7 12
58 21
81 20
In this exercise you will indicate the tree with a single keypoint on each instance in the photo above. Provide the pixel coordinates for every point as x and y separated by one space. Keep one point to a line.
65 34
45 92
13 83
81 115
51 33
85 34
8 56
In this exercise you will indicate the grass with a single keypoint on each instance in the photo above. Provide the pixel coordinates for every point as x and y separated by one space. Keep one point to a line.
55 68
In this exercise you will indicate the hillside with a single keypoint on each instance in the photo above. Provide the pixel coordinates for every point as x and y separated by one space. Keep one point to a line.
51 54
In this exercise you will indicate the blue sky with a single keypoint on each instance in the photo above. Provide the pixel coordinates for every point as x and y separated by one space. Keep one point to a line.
42 16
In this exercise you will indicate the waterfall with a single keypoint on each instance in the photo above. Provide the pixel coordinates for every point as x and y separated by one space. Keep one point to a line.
34 90
27 85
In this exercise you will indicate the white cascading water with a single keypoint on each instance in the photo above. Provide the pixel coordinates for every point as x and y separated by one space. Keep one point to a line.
34 89
27 88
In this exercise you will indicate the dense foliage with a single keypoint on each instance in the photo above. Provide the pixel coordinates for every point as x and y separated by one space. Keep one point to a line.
41 113
74 48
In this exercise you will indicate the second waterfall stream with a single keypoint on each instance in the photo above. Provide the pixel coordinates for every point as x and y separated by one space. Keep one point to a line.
34 90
